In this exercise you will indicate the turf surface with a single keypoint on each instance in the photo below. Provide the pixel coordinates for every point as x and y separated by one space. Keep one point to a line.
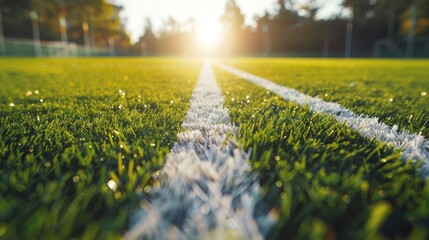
81 138
78 137
325 179
396 91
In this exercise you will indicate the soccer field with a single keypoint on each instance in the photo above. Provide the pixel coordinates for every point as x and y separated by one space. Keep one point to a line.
82 141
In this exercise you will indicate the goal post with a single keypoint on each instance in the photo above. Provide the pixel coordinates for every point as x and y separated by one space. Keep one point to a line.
16 47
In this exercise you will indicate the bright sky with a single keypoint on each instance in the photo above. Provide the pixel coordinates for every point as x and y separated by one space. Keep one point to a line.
203 11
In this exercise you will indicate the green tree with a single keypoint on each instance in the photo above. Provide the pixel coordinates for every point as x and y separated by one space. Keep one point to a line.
16 18
101 16
422 19
233 27
232 19
147 42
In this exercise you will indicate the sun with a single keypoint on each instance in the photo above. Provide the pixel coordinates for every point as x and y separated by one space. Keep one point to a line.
208 35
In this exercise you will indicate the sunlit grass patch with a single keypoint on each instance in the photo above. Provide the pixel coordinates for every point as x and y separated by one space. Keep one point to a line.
393 90
81 140
325 180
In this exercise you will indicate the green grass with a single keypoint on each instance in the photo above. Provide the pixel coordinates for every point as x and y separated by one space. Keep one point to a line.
68 127
388 89
97 121
325 180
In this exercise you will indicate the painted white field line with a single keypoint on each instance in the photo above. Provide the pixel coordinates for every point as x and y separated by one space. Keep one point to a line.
412 146
207 190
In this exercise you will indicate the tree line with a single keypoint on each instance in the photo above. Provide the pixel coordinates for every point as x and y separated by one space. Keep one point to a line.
93 22
295 29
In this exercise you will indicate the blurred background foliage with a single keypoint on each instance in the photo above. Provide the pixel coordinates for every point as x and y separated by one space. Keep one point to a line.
297 30
293 29
100 18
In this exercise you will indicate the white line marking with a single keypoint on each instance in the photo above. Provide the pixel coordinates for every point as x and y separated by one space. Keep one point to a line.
412 146
207 190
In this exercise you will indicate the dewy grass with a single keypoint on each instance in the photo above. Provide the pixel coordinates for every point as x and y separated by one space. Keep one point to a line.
79 136
396 91
206 190
412 146
325 180
80 139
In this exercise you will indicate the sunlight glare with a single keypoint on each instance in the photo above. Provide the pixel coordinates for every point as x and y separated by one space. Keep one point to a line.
208 34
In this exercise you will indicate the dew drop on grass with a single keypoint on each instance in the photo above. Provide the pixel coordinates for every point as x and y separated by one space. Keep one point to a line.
47 164
205 209
390 99
279 184
112 185
231 224
11 104
36 91
232 99
423 94
171 101
277 158
152 144
326 94
76 179
120 106
147 189
41 100
28 93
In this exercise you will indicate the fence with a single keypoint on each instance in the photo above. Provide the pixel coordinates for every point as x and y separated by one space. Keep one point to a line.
16 47
398 48
24 47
